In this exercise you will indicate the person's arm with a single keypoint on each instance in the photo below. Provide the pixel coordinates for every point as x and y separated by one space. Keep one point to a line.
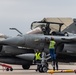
55 47
47 40
34 60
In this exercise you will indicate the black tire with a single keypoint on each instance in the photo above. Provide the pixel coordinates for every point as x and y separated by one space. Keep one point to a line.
40 70
44 69
11 69
7 69
25 66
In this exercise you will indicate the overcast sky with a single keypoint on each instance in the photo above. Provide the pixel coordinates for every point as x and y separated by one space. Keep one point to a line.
21 13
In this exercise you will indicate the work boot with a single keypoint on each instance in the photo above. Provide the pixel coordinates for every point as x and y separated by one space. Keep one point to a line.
54 68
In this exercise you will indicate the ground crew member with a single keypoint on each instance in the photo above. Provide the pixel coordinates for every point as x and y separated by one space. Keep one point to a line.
37 59
53 53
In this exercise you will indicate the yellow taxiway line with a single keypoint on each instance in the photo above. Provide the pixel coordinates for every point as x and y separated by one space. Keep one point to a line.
61 71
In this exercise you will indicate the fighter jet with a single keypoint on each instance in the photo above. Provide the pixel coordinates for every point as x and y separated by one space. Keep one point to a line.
21 48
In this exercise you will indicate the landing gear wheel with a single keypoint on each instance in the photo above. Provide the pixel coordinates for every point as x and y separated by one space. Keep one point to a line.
44 69
11 69
40 69
25 66
7 69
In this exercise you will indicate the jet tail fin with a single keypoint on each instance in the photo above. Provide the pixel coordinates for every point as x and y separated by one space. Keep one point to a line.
71 28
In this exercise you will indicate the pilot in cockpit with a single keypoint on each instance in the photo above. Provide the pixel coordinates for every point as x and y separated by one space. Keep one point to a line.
46 30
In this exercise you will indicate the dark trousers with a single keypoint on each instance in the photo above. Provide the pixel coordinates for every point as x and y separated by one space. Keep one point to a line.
38 64
55 64
52 54
53 58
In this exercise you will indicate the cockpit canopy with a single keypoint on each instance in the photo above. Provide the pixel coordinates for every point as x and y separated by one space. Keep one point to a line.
45 27
53 27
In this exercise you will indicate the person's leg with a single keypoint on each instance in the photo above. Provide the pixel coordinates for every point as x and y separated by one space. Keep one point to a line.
37 65
52 58
53 64
51 54
56 61
56 64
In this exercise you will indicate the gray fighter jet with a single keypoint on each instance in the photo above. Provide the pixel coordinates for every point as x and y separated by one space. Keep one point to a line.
20 49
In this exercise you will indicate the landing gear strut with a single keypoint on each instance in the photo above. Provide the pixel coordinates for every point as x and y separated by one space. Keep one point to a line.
43 66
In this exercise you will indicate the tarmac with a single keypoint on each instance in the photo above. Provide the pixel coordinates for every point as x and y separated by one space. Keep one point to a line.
17 70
